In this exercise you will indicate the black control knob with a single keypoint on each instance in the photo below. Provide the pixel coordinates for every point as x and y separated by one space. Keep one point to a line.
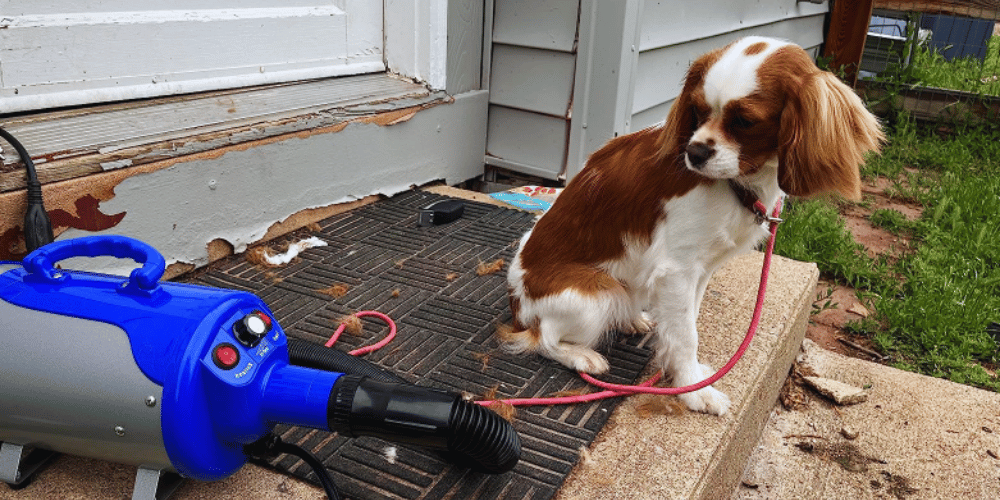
251 328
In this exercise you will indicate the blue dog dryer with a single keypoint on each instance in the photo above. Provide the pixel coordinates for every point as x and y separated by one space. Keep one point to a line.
186 379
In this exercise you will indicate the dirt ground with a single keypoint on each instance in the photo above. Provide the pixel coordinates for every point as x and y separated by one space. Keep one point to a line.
838 305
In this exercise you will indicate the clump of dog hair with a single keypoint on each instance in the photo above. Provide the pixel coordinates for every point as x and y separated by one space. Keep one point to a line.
352 324
451 276
484 358
659 405
569 393
390 454
395 293
258 256
505 410
336 291
485 268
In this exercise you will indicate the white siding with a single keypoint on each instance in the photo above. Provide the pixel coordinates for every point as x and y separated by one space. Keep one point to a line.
667 47
531 85
526 142
628 59
532 79
668 22
529 23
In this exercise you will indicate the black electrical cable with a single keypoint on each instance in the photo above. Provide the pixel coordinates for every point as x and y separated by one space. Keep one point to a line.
271 446
317 466
37 225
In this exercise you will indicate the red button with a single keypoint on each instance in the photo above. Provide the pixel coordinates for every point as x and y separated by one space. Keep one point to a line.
265 318
226 356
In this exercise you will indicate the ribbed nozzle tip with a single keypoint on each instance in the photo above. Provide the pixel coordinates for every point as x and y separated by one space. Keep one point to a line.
484 437
426 417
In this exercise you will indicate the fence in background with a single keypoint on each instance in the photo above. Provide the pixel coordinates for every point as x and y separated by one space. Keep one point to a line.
938 60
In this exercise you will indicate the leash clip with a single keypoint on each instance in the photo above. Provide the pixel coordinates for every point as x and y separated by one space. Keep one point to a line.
761 214
769 219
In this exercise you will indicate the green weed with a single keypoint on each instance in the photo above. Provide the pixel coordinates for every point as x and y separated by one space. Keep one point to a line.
892 220
933 304
929 68
813 231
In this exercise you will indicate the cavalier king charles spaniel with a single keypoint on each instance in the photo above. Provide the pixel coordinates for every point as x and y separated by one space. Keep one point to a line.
632 241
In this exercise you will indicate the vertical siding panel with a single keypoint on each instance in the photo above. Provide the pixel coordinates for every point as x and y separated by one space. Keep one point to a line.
465 46
549 24
606 66
531 85
526 142
532 79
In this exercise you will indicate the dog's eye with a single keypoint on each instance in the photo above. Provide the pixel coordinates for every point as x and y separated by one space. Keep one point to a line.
699 114
741 121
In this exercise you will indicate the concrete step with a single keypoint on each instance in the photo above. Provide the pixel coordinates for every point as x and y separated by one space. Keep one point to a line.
914 437
653 448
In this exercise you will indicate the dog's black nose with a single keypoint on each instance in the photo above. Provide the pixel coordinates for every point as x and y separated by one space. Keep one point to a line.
698 153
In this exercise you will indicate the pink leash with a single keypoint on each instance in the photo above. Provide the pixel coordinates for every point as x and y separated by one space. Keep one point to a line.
366 349
615 390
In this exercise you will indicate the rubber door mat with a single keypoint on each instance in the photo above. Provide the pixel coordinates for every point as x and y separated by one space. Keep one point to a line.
425 279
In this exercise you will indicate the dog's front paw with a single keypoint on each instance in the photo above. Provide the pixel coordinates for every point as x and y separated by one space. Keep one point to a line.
707 400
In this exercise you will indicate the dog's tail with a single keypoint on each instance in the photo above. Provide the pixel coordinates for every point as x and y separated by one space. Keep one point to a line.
516 342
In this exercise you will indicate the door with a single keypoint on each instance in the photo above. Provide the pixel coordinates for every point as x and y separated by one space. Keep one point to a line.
67 52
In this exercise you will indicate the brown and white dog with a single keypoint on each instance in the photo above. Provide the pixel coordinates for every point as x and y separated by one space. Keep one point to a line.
654 213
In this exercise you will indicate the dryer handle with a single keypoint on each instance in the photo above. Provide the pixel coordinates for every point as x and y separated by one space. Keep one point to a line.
40 263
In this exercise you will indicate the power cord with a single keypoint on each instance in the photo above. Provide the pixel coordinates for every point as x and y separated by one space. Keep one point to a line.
37 226
271 445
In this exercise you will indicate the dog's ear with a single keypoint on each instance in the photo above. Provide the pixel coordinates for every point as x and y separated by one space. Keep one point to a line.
825 133
682 120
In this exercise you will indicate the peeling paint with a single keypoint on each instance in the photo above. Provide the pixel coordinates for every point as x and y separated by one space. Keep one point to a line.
74 164
269 186
113 165
87 216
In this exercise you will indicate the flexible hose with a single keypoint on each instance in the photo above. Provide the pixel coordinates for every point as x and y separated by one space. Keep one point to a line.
423 416
486 439
306 354
371 401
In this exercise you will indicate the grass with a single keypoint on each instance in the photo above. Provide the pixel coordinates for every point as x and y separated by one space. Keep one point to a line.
930 69
933 304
